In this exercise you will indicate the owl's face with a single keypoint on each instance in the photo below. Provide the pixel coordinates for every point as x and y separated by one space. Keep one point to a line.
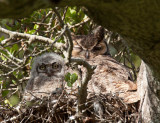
49 68
50 65
88 48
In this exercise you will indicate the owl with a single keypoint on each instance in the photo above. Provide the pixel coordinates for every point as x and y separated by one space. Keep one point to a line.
109 75
47 76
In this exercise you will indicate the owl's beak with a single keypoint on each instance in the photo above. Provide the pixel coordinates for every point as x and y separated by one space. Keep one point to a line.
87 54
49 73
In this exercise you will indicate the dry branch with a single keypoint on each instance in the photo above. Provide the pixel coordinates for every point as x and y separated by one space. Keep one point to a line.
31 38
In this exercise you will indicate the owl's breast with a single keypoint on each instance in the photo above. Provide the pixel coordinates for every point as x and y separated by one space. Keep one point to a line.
45 88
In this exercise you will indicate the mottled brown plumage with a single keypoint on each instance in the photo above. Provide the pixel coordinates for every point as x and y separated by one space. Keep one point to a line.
109 75
112 77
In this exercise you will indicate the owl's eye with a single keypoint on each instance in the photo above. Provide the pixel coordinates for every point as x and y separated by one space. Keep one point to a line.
42 67
55 65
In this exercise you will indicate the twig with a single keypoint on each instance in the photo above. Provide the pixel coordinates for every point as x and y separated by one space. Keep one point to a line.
78 24
64 13
6 66
50 23
11 56
12 119
59 36
68 33
6 74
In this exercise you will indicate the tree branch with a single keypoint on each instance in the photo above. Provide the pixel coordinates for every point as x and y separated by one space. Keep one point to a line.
82 90
31 38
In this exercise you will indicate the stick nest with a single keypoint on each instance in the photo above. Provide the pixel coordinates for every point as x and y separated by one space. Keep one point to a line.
63 108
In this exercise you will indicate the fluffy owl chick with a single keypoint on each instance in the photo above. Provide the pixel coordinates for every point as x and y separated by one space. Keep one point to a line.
47 76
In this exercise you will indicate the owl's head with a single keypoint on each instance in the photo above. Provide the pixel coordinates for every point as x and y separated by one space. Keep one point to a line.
49 65
89 46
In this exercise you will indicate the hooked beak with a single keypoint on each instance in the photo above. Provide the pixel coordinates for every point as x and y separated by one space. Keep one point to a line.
87 54
49 73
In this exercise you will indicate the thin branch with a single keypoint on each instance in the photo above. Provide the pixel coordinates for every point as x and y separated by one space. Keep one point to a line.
64 13
31 38
6 65
68 33
50 21
59 36
11 56
12 119
6 74
79 24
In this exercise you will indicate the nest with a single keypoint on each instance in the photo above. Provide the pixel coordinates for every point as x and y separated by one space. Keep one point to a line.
63 108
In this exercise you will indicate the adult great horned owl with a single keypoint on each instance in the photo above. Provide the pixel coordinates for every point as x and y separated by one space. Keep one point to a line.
47 76
109 75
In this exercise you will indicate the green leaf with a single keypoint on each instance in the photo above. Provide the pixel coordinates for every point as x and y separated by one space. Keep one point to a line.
61 41
67 77
31 31
15 74
72 11
36 27
8 27
8 102
70 79
1 38
14 82
73 77
15 47
69 84
14 100
3 58
4 93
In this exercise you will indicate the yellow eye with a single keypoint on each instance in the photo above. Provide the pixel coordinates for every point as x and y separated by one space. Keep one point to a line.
55 65
42 67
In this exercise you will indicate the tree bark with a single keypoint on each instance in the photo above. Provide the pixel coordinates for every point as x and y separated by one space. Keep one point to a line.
149 101
136 20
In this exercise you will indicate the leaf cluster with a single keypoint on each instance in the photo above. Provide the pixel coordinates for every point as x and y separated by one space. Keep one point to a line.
71 79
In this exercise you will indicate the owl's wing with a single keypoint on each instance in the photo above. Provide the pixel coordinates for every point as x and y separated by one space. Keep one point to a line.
112 77
28 90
